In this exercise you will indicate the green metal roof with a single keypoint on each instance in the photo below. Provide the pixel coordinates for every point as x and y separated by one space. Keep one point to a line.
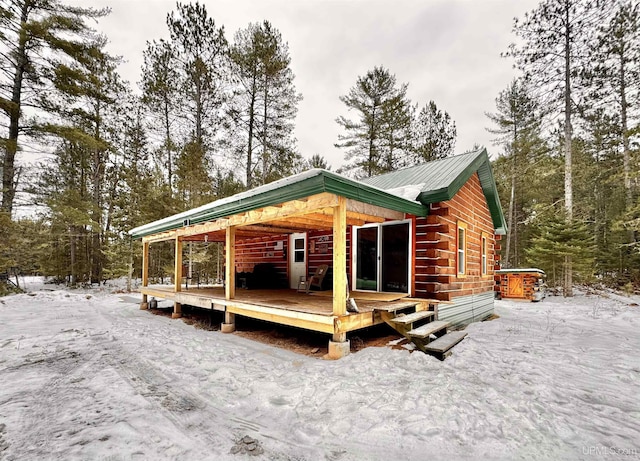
440 180
291 188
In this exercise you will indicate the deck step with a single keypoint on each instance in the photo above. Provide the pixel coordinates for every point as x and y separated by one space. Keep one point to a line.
414 317
428 328
396 306
446 342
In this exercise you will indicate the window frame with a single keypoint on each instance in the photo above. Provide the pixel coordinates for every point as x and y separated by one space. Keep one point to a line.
380 261
300 251
462 226
484 254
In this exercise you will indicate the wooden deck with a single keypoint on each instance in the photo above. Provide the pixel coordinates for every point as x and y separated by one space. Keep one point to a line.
312 311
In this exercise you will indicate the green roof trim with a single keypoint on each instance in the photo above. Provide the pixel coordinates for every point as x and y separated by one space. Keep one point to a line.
440 180
294 187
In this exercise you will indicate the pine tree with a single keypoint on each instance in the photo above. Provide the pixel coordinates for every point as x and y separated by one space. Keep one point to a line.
615 80
160 87
381 108
193 180
434 134
36 37
86 122
518 125
555 37
557 241
265 105
200 50
318 161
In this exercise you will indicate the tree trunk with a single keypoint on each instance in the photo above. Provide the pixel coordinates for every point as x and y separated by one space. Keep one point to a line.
130 271
96 199
265 153
252 116
568 178
168 143
9 184
510 216
512 196
72 256
626 153
371 142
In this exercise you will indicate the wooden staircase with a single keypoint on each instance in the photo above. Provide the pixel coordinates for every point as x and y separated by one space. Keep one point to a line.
421 327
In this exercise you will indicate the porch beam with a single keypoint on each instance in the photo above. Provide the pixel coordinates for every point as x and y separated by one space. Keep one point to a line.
373 210
162 237
305 222
364 218
264 215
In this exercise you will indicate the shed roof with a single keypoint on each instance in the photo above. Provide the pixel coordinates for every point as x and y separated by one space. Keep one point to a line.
440 180
524 270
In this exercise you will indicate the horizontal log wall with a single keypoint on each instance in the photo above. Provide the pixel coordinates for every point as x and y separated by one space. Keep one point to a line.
436 250
320 250
250 252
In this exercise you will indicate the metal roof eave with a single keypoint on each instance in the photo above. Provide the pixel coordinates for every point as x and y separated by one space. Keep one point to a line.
482 165
322 181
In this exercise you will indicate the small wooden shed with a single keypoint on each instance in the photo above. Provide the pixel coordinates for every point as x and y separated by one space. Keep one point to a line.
527 283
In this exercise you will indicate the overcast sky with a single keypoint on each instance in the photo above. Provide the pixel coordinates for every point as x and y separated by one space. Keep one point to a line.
448 51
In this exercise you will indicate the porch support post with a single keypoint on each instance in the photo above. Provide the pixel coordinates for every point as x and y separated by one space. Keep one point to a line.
177 278
339 346
145 273
229 324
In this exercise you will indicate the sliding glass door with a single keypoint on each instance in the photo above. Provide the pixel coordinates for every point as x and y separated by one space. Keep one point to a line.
395 258
382 257
367 258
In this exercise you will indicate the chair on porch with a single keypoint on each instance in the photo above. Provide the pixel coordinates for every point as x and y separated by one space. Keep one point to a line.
317 279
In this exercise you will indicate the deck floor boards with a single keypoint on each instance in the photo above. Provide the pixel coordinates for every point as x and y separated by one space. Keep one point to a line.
281 299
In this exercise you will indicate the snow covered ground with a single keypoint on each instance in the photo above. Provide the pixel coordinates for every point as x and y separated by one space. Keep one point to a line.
86 375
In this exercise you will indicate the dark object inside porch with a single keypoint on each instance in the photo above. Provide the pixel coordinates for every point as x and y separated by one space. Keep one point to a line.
264 275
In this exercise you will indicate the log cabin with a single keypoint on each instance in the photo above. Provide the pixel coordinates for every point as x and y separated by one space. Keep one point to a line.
415 248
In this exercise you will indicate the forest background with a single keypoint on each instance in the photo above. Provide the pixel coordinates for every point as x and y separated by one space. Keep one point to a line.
214 115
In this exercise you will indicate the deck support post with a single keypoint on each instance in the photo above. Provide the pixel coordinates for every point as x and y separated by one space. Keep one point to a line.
177 273
229 324
339 347
145 273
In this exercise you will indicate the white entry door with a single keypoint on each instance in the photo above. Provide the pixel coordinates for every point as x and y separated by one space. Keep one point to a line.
297 258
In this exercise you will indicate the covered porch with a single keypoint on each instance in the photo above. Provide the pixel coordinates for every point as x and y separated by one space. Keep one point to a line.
311 201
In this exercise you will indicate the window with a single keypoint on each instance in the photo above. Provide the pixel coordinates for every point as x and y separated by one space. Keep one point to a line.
483 251
462 249
298 249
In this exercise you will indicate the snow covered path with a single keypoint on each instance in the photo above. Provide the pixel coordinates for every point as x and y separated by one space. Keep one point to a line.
86 377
